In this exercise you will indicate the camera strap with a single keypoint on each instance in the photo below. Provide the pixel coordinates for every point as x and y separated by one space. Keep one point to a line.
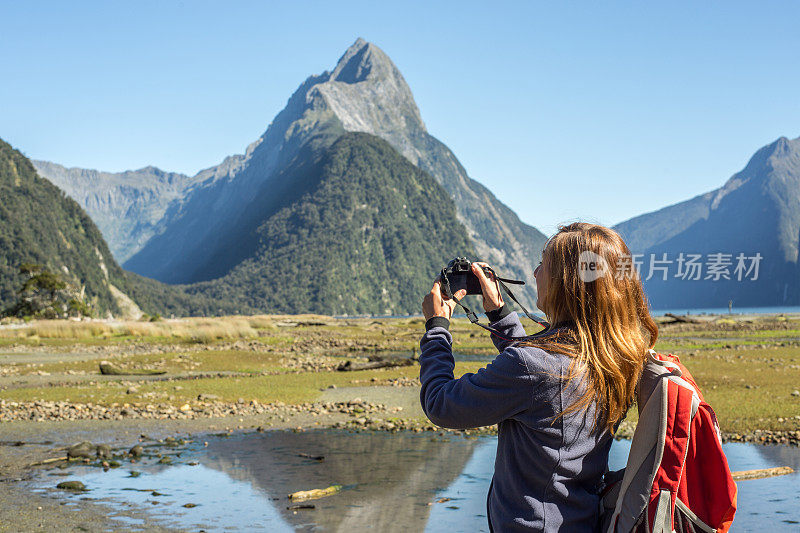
473 318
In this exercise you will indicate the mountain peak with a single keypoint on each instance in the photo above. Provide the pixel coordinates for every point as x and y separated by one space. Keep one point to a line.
363 60
785 146
785 157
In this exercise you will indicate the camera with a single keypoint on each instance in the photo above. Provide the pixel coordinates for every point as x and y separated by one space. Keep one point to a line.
458 273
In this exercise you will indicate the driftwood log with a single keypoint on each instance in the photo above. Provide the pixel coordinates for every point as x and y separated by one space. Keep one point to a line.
313 457
761 473
49 461
375 362
108 369
313 494
684 319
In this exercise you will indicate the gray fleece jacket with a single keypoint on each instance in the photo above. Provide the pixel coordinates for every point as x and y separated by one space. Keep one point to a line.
548 470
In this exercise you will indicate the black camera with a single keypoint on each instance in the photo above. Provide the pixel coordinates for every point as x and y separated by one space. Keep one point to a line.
458 274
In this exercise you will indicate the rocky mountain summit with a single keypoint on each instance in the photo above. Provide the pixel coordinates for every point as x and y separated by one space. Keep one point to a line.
367 93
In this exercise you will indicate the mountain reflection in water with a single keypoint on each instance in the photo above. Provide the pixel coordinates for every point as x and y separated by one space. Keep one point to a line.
389 480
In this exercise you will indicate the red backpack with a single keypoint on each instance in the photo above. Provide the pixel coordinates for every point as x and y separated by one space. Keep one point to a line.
677 477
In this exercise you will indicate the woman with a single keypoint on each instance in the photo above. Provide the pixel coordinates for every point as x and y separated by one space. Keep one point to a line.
557 396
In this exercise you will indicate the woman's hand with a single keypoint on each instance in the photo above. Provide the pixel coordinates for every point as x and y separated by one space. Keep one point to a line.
436 304
492 300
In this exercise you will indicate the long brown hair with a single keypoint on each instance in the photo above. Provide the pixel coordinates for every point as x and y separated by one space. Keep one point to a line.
609 327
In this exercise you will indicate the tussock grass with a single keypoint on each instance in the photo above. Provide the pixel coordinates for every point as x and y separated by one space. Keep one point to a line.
199 330
64 329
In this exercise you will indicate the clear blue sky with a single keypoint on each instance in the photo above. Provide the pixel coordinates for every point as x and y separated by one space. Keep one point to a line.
591 110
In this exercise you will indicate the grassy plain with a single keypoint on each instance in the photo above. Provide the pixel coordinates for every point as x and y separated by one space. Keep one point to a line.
748 367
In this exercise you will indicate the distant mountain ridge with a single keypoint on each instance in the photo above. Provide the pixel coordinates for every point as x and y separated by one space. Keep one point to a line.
199 236
757 211
649 229
128 207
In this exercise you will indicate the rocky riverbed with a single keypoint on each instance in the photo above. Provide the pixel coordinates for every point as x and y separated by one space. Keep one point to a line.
40 411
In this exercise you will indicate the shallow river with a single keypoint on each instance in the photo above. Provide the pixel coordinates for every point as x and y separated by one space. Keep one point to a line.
391 483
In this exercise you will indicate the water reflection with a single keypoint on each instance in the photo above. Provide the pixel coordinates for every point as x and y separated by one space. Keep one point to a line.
242 482
772 502
392 483
389 480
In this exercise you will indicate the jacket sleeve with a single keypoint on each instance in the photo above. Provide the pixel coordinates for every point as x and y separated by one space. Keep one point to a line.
507 323
501 390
